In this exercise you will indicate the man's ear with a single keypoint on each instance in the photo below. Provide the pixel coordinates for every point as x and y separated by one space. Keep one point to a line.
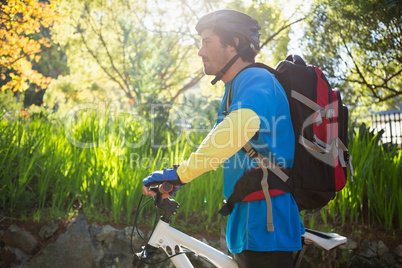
236 40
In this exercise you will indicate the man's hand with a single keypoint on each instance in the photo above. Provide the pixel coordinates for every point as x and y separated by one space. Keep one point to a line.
158 177
147 191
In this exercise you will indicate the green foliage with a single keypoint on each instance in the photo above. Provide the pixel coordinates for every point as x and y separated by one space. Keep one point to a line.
140 53
9 103
197 113
273 25
52 63
95 159
358 45
374 196
114 46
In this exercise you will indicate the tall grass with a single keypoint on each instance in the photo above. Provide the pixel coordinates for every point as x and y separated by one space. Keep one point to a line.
91 164
374 196
87 165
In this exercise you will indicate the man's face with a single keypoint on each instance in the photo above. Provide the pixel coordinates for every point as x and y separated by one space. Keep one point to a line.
214 55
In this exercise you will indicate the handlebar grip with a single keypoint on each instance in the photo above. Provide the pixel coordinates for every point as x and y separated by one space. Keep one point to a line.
165 188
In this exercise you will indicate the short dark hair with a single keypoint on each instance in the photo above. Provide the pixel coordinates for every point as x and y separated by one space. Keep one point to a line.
248 53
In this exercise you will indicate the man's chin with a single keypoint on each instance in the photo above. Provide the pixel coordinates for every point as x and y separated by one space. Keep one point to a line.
209 72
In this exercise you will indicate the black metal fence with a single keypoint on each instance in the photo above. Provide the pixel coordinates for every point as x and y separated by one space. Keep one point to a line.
391 123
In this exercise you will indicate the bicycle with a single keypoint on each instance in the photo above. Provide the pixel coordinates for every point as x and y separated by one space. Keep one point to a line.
172 240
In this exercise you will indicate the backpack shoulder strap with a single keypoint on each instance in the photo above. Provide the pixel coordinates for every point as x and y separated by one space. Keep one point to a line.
256 64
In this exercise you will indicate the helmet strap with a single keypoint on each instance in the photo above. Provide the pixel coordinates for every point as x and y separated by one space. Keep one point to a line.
225 69
227 66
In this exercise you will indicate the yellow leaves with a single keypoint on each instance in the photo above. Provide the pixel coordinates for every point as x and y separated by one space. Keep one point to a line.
19 79
20 19
46 82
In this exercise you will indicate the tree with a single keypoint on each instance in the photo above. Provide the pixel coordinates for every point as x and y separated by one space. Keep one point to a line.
275 26
358 44
52 63
19 21
10 103
111 41
145 49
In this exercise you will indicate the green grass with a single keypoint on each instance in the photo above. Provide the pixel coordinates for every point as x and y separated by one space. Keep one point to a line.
374 196
91 164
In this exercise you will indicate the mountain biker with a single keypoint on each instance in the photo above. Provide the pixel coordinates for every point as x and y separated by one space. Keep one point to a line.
259 113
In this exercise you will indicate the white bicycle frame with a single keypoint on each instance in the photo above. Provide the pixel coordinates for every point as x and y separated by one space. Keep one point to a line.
172 240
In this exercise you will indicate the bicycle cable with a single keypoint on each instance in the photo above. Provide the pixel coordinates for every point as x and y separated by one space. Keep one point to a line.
135 226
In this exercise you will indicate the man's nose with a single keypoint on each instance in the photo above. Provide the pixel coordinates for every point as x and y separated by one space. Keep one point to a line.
201 52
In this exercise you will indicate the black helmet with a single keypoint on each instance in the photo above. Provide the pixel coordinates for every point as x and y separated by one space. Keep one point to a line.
231 21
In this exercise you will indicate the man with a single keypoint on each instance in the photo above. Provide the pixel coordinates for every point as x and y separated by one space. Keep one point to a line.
259 113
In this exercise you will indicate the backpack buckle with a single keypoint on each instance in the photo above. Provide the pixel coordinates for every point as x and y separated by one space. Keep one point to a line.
250 151
329 113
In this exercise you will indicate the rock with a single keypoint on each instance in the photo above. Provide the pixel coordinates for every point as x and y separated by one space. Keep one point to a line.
94 230
205 241
48 230
118 250
15 237
398 251
104 246
361 262
382 248
350 244
368 249
13 257
117 244
388 259
113 248
105 232
129 230
72 249
112 261
137 239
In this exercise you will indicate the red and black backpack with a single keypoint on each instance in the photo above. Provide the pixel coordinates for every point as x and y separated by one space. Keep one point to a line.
321 159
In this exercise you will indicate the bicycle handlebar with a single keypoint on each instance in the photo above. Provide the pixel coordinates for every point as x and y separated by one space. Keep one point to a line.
169 206
164 188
